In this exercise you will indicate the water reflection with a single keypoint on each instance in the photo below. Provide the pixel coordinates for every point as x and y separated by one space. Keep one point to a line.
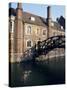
39 73
26 74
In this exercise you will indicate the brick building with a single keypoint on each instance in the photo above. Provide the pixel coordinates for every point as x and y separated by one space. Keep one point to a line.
26 29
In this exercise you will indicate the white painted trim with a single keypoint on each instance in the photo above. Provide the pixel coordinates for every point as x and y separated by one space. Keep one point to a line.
26 28
45 31
31 43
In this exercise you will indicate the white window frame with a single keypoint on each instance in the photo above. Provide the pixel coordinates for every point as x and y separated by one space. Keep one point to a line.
62 27
45 32
32 18
27 27
38 31
11 26
12 18
31 43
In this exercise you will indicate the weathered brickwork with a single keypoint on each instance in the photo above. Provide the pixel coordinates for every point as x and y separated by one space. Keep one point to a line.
26 33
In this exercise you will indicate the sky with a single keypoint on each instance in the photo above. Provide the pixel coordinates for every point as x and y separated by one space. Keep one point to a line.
41 9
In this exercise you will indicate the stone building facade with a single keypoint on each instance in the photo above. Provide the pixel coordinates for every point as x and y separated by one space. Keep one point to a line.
26 29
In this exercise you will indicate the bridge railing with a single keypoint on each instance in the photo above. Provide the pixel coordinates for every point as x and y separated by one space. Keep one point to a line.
54 40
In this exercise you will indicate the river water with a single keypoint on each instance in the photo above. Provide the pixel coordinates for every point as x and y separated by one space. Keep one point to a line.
47 72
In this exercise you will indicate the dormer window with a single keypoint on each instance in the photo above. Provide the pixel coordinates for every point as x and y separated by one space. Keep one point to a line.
32 18
52 24
61 27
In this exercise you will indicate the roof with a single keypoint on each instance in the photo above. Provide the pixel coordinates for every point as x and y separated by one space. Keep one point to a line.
57 26
38 20
12 11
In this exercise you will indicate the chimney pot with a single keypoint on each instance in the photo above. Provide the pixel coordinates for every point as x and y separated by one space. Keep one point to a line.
48 12
19 5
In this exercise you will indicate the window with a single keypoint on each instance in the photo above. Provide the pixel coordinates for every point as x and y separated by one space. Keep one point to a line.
44 32
11 23
61 27
11 26
29 30
32 18
37 31
29 44
54 33
52 24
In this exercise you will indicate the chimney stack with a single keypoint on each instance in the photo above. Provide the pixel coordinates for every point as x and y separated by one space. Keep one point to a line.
19 10
48 20
9 5
19 5
48 15
19 33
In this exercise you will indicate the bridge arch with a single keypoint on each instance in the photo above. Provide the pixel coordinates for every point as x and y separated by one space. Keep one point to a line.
46 46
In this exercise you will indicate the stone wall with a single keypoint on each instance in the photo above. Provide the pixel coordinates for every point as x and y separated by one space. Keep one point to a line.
34 37
58 52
